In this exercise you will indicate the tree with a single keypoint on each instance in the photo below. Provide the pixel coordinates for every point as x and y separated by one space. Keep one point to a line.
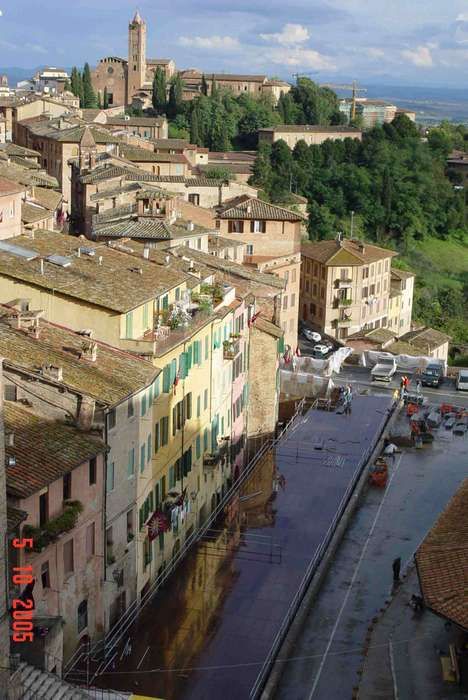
159 91
76 83
89 96
316 105
287 109
195 128
261 171
175 97
105 98
219 139
204 85
67 86
218 173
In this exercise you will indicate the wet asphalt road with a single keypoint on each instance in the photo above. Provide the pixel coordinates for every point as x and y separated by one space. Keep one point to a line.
388 524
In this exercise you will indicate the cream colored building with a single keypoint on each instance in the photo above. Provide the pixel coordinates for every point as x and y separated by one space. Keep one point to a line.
401 301
345 286
312 135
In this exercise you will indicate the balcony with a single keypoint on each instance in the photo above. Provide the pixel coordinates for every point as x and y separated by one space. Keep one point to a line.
211 460
231 348
343 283
344 321
342 302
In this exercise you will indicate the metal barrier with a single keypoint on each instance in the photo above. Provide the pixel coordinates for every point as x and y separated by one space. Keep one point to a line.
307 578
108 645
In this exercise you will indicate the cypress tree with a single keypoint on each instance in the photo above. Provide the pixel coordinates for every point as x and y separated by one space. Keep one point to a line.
89 96
204 85
195 128
175 96
105 99
75 81
159 91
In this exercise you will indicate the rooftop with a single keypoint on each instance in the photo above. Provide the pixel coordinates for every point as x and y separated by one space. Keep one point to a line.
64 130
344 252
8 187
398 274
90 278
110 379
137 155
136 121
441 561
44 450
32 213
245 207
425 339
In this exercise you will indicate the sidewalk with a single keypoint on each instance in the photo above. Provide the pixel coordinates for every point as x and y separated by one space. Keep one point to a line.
402 661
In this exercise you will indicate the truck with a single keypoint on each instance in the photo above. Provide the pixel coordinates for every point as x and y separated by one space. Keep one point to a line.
384 370
432 375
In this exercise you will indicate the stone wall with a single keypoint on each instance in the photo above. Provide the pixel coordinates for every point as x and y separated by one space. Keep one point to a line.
263 393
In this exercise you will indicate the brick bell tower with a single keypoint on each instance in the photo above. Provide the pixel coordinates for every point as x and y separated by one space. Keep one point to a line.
136 76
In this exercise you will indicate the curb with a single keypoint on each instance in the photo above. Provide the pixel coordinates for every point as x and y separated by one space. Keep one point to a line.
295 629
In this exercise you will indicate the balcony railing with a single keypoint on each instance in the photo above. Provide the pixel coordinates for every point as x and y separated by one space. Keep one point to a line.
231 348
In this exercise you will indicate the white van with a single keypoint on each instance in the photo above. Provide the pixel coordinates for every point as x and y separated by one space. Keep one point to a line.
462 380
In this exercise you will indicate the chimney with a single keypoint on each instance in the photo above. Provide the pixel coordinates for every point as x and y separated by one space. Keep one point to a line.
85 413
362 247
146 253
190 226
42 265
339 236
52 372
10 439
100 260
89 351
167 260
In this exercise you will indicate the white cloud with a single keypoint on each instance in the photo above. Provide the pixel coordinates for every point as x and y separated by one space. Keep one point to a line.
290 35
462 17
298 56
421 56
1 13
215 42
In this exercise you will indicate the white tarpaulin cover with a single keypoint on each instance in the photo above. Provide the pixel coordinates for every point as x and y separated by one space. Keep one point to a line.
315 366
303 384
408 363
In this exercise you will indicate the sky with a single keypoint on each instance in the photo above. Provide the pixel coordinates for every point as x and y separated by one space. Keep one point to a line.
399 42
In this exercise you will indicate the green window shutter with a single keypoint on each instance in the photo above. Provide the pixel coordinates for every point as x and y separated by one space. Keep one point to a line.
156 437
171 477
156 390
205 440
167 379
143 404
148 447
157 496
177 294
182 365
173 370
151 501
281 345
196 353
189 357
163 487
207 347
161 541
165 302
129 325
198 405
198 447
141 517
142 457
131 462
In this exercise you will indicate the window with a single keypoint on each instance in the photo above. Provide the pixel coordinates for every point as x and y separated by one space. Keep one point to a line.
131 463
188 406
205 440
199 243
285 302
235 226
129 525
92 470
111 419
82 615
110 476
365 273
365 292
43 509
68 564
130 407
10 392
258 227
249 249
172 477
67 478
315 289
143 404
164 430
90 541
293 275
313 309
207 347
379 268
149 442
198 447
156 438
142 457
45 575
293 300
205 399
194 199
198 406
315 269
129 325
372 290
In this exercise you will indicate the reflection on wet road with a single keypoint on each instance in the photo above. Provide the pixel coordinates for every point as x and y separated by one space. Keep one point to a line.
207 633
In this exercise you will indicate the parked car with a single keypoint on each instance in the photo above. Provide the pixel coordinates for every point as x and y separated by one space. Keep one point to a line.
321 350
384 370
460 427
462 380
311 335
432 375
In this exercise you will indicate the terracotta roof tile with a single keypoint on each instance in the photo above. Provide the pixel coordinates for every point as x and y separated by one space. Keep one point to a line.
442 561
360 252
245 207
44 450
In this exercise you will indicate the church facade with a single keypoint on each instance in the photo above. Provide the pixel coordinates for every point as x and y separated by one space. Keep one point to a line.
124 78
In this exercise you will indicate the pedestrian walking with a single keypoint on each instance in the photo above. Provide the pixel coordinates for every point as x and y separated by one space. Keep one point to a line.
419 387
396 567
